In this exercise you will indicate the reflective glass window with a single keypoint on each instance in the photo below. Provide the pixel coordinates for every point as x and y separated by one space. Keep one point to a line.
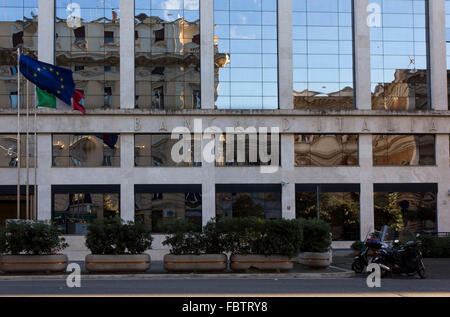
338 205
18 29
248 201
167 54
87 41
246 59
74 207
322 54
86 150
447 23
158 207
8 203
406 211
399 50
326 150
251 149
403 149
9 151
159 150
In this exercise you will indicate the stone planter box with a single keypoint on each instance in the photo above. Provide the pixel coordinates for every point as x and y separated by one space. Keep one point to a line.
261 262
126 263
315 259
195 263
53 263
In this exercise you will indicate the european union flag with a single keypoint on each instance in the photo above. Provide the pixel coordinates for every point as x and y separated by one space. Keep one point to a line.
49 78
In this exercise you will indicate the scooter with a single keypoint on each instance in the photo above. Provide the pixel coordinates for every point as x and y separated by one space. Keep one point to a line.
407 260
372 246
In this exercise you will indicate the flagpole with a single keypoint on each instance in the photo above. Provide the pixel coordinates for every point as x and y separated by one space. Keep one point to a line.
18 133
35 157
27 188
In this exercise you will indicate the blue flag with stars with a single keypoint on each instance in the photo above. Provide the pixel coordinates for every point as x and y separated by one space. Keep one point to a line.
49 78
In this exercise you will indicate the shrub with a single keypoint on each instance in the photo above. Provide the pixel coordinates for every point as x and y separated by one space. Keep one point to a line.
258 236
184 237
31 237
113 236
316 235
434 247
357 245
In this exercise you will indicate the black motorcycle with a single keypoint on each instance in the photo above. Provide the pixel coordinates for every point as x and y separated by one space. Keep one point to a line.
407 260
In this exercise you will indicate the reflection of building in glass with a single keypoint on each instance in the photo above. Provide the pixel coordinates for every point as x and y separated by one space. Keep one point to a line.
167 63
326 150
78 150
418 150
18 29
92 50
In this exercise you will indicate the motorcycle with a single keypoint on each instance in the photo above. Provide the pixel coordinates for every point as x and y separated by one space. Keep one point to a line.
373 243
407 260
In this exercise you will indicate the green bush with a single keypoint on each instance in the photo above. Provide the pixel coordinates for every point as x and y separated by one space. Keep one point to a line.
114 236
434 247
184 237
316 235
357 245
31 237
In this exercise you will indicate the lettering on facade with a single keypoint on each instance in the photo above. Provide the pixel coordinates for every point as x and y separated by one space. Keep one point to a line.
137 124
163 126
365 127
433 125
340 124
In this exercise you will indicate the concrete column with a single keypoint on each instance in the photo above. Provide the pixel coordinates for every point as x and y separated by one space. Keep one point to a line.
285 78
367 222
438 56
362 55
44 196
127 184
127 78
44 202
288 181
443 199
207 53
46 31
208 179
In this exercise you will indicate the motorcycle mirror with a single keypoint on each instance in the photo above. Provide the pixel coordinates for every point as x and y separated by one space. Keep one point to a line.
417 235
396 241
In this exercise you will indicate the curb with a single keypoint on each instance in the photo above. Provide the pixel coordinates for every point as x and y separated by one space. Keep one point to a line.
344 274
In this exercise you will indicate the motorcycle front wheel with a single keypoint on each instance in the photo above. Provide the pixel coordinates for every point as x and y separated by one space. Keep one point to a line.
421 270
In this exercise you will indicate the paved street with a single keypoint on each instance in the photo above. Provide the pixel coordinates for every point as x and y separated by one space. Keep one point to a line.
288 287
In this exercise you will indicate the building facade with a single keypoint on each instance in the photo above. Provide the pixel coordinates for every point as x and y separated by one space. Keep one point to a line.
353 93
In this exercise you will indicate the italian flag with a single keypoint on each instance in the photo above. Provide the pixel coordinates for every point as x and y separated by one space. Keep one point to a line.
48 100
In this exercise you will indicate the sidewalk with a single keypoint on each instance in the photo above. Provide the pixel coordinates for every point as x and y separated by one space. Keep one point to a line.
157 271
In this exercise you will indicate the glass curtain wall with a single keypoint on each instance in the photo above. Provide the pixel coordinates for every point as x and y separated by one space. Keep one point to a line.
246 59
399 55
167 54
18 29
323 54
87 41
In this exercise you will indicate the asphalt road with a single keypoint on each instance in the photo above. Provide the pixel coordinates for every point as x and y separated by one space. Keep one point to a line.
237 287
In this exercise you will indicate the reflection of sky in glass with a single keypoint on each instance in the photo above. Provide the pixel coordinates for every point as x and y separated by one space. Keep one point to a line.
322 47
246 33
400 42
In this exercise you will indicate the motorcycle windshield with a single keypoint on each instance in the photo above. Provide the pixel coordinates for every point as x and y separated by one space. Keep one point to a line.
387 234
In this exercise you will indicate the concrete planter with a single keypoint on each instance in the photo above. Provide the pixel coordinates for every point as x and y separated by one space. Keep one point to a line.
193 263
260 262
126 263
52 263
315 259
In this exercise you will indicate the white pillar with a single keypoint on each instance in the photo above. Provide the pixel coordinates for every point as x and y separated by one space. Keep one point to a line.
288 181
127 82
207 53
443 198
285 78
438 56
362 56
367 221
46 34
127 183
208 178
44 202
